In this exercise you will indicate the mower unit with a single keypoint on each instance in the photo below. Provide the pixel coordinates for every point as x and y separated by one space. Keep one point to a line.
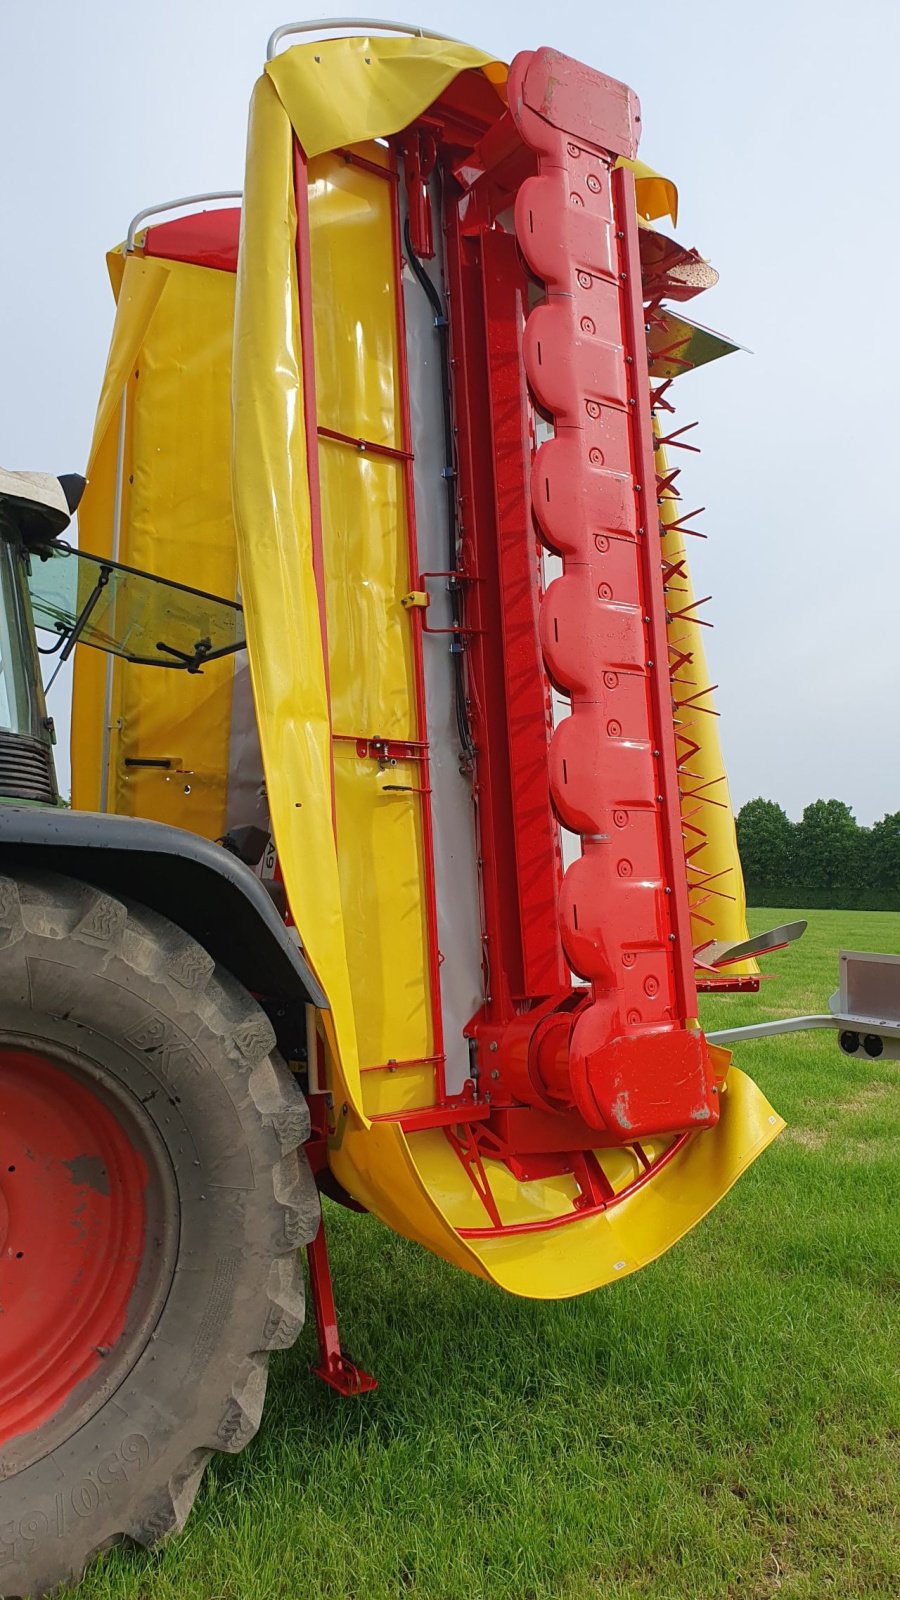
401 881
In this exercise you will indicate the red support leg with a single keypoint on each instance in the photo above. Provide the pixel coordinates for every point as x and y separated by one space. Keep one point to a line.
334 1367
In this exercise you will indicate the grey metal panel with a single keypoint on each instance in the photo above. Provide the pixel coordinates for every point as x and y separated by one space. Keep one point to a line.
246 797
869 988
456 872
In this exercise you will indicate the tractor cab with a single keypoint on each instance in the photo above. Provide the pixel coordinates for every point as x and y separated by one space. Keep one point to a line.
48 585
34 509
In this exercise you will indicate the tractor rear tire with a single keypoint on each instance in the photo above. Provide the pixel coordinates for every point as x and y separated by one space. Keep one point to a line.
153 1195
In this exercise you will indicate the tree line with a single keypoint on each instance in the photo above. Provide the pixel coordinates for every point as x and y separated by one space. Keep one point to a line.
824 861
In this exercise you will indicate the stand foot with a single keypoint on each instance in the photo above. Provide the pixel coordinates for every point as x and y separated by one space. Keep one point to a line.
334 1367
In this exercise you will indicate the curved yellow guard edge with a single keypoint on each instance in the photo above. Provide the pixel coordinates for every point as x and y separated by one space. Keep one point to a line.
396 1177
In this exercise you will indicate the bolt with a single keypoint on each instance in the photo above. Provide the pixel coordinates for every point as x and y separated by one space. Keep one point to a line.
493 1045
495 1073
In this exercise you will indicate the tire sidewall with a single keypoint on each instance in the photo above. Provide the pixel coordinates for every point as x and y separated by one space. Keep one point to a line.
187 1063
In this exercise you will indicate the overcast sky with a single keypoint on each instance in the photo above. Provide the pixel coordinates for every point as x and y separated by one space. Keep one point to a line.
779 123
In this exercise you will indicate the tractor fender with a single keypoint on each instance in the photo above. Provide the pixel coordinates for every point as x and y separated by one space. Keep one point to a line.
202 887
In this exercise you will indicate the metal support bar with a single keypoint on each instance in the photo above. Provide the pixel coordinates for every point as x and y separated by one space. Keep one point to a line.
840 1023
81 621
334 1368
768 1030
319 23
175 205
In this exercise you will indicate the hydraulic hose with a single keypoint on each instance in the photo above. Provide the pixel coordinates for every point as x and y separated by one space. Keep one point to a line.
442 328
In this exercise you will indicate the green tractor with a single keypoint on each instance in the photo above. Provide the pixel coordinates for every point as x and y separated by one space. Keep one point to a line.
153 1184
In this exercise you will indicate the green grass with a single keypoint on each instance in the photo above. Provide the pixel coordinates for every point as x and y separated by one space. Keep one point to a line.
724 1424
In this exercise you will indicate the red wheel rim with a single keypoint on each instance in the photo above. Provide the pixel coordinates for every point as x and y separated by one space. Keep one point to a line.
75 1200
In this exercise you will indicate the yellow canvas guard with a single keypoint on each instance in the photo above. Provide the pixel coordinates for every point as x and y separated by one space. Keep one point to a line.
411 1180
332 651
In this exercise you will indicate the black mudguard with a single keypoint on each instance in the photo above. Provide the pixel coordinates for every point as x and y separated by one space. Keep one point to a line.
198 885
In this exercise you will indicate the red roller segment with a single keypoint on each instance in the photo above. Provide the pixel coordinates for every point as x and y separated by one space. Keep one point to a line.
622 1052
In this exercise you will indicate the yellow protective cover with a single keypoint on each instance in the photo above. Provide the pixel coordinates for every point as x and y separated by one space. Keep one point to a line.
348 870
170 366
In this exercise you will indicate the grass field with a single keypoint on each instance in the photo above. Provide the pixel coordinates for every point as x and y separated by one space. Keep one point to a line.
724 1425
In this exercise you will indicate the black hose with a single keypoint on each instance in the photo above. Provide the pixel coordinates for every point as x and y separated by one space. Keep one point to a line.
442 328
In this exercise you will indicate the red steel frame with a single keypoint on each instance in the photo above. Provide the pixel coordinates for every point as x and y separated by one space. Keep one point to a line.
622 1053
560 1071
